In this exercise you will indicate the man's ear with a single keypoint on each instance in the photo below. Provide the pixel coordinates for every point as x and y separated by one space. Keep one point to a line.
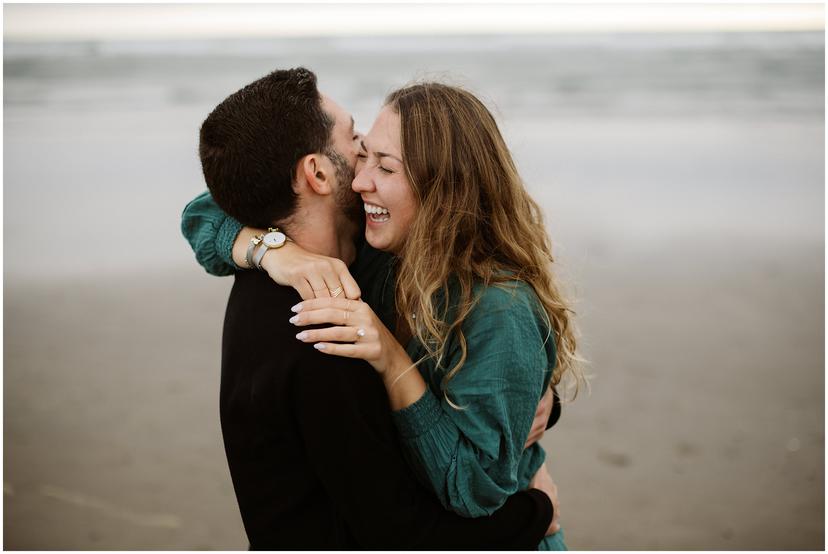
312 169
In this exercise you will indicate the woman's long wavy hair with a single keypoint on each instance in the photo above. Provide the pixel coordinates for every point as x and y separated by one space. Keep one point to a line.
475 223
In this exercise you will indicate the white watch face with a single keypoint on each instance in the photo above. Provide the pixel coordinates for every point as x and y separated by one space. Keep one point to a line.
274 239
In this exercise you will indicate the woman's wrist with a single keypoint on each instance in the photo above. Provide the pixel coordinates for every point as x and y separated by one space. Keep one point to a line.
240 246
403 383
397 364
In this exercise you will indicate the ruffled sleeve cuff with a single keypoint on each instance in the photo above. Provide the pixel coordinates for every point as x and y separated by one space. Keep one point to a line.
210 233
226 236
419 417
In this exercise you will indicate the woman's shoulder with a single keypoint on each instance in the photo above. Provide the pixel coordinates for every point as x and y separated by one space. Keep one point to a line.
509 326
511 295
506 309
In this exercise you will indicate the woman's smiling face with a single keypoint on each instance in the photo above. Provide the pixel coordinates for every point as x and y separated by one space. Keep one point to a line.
390 206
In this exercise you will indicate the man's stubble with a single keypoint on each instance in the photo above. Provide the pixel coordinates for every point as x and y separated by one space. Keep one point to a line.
348 202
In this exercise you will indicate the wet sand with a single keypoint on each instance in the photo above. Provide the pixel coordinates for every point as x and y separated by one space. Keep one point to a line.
704 429
683 181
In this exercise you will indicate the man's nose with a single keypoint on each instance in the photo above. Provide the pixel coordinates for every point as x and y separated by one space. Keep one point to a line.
358 138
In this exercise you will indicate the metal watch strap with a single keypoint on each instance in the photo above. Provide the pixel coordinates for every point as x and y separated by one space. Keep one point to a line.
249 256
250 247
257 259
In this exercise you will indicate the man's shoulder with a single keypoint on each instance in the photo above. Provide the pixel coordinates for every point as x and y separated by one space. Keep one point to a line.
257 335
256 288
259 338
257 317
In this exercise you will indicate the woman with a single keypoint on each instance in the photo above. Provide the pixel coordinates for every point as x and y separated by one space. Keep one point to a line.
484 323
485 326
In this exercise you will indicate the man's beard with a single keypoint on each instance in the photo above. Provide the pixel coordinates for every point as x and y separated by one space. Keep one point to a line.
348 202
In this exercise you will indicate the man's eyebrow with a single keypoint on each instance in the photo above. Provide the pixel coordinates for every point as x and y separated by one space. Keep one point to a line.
352 124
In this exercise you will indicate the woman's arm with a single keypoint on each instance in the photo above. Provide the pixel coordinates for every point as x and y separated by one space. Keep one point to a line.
220 245
359 333
470 456
211 234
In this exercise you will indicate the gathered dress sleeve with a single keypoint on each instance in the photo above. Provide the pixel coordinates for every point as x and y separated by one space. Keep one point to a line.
211 234
470 456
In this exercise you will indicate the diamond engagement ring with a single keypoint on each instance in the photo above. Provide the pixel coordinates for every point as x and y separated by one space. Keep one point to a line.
360 333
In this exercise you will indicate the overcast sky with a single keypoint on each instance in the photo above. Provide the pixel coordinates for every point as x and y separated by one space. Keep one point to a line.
171 21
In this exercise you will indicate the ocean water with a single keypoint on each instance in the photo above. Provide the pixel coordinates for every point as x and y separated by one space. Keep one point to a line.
647 74
683 182
655 134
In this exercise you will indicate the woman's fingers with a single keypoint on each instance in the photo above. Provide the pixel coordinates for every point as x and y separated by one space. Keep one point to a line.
291 265
332 334
332 281
338 279
338 303
304 289
319 286
329 277
337 316
345 350
349 284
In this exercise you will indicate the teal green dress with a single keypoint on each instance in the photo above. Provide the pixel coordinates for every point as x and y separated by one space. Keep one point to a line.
472 455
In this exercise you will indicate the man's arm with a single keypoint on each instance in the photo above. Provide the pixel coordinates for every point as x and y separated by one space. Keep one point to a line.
547 415
555 415
361 467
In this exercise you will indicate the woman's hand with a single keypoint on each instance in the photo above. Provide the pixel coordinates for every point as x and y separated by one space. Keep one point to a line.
363 336
358 327
312 275
541 419
544 482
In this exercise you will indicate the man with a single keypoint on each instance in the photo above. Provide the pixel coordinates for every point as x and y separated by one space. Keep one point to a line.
309 438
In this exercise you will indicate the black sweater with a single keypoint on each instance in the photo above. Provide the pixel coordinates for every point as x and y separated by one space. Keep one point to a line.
313 453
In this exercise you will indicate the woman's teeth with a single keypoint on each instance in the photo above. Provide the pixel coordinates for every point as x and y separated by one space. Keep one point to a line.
377 214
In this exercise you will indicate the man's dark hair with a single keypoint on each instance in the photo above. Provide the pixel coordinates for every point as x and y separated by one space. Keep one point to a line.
251 142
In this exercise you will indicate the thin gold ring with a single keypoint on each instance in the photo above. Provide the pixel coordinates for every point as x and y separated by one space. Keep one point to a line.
346 316
336 292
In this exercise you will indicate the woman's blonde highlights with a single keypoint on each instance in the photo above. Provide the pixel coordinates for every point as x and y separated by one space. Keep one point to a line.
475 223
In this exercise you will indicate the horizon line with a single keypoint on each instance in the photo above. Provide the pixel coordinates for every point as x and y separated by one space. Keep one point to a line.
75 22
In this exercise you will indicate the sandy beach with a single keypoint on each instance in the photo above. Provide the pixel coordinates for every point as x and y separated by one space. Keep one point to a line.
691 234
703 430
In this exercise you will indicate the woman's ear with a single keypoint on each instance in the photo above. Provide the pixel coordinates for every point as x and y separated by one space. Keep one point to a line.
316 173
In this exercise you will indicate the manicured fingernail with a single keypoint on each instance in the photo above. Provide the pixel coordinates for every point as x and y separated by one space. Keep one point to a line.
294 319
297 308
319 346
302 336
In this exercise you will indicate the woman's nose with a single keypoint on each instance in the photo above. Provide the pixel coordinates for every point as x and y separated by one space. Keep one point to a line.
362 182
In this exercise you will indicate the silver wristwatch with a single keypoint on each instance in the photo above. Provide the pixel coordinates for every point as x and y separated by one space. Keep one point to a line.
248 257
274 238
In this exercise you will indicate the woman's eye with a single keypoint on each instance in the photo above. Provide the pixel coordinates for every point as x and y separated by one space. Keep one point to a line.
385 170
